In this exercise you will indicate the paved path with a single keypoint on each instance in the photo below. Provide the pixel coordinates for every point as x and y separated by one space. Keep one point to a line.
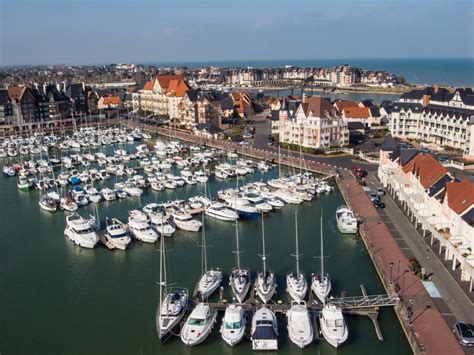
428 328
455 304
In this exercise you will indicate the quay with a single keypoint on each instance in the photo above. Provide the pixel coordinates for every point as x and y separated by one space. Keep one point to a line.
425 328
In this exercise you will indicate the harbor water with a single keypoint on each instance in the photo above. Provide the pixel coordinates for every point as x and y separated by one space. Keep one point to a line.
57 298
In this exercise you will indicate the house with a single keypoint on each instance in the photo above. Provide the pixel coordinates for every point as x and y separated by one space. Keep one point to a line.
209 131
314 124
108 102
6 108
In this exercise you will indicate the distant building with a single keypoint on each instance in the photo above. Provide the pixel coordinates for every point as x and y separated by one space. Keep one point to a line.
109 102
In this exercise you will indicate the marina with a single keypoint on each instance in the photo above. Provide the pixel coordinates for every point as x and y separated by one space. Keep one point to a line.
126 274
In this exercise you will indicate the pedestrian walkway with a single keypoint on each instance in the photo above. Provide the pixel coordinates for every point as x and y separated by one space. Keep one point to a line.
421 320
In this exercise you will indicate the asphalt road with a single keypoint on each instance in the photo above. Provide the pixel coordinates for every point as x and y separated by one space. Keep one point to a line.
454 305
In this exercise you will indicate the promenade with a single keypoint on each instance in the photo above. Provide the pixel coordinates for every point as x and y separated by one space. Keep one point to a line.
424 326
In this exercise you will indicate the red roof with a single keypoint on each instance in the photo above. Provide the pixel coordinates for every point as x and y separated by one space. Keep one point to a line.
177 87
356 112
164 80
110 100
317 106
149 85
426 168
342 104
460 195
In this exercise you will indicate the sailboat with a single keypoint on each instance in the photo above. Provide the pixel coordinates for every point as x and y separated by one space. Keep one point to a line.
265 283
210 279
239 279
295 281
321 283
172 304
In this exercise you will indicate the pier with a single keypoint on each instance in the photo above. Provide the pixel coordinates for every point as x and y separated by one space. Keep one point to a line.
365 305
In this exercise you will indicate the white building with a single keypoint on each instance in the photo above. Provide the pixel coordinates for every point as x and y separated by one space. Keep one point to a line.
313 124
433 199
434 115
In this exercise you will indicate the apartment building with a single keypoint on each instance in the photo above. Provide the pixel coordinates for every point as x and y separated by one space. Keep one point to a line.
436 115
434 199
313 123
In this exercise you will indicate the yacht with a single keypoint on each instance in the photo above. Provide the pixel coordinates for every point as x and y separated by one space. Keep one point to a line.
68 204
296 281
141 230
221 212
264 330
346 220
116 233
185 221
210 279
233 324
243 207
333 325
108 194
321 283
47 203
200 176
199 325
23 183
172 303
239 279
132 189
158 220
300 329
288 197
265 283
80 232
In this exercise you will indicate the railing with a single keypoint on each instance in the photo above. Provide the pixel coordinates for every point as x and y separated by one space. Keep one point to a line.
358 302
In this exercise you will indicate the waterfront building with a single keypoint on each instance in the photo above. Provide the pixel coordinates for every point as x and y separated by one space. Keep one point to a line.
436 115
433 198
314 124
108 102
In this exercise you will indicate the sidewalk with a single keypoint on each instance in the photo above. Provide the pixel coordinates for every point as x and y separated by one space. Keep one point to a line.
428 332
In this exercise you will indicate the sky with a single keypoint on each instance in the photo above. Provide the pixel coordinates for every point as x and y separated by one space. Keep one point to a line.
154 31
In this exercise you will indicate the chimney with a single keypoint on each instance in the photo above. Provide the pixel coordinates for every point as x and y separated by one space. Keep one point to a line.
436 89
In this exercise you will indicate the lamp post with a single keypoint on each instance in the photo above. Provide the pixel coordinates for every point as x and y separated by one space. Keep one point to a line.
391 268
411 303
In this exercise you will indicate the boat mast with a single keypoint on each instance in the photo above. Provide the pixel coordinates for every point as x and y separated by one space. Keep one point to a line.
204 252
279 163
264 257
237 244
162 245
322 248
297 256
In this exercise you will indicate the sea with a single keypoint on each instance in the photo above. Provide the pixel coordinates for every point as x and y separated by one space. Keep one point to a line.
457 72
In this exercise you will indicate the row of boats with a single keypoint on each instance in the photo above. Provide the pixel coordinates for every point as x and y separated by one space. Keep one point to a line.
173 304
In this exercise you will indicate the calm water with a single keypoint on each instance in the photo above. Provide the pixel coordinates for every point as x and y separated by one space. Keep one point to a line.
57 298
446 71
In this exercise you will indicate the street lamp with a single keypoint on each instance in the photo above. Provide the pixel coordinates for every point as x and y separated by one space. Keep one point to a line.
391 268
410 307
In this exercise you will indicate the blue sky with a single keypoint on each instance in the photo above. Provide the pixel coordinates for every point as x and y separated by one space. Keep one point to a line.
106 31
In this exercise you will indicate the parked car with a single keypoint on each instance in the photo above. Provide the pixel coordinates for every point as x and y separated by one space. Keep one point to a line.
443 158
465 333
380 191
374 196
358 172
378 204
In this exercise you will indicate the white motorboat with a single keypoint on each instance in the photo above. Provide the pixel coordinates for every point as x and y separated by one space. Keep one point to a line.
273 201
80 232
68 204
295 281
108 194
221 212
265 284
346 220
47 203
199 325
131 189
23 183
141 230
321 283
300 329
243 207
201 176
288 197
185 221
158 220
264 333
117 234
92 193
233 324
333 325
